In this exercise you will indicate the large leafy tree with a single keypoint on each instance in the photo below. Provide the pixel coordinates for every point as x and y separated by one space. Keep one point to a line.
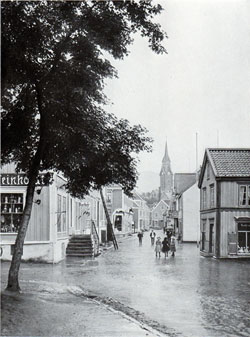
53 71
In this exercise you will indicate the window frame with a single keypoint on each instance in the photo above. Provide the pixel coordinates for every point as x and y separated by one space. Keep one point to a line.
247 195
204 198
212 196
208 171
13 211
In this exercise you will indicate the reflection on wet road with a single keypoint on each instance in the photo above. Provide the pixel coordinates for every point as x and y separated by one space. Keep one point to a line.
192 295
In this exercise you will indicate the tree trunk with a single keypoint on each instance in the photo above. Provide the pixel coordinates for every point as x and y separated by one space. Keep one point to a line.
13 283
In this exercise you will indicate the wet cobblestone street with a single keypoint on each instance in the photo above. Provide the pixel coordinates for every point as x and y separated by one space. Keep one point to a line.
189 294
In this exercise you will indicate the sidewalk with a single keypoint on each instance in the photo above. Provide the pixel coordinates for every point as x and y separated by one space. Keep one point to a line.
48 307
52 311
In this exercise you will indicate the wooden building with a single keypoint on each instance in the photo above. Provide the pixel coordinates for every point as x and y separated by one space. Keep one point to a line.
120 209
55 217
224 184
141 213
158 214
187 205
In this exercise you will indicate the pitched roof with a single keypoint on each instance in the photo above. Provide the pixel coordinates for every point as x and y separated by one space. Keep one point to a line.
183 181
137 196
160 202
230 162
227 162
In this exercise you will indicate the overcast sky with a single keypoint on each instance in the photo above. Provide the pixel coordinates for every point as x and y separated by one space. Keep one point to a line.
201 86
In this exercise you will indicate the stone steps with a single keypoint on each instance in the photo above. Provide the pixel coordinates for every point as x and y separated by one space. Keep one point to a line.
80 245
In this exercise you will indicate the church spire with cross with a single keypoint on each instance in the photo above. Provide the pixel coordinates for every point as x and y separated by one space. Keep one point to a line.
166 176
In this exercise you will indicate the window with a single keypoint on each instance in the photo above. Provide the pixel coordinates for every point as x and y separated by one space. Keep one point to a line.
118 222
211 195
11 211
204 198
59 213
208 171
244 195
63 214
109 196
243 238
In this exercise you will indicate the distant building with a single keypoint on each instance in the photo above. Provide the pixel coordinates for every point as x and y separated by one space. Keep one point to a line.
151 198
120 208
157 214
224 184
141 213
166 177
187 201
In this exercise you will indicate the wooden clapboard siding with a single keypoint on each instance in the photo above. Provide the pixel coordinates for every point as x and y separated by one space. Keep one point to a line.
228 225
117 199
38 229
229 194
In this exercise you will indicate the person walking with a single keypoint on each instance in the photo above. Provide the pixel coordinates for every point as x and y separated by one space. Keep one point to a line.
158 247
172 245
165 246
140 236
169 234
152 236
179 238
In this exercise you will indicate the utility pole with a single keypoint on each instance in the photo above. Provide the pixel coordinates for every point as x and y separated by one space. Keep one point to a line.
196 151
110 232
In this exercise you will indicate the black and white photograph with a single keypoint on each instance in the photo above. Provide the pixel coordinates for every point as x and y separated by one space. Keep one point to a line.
125 168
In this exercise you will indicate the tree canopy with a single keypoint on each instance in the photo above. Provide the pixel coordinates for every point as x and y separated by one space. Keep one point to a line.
53 70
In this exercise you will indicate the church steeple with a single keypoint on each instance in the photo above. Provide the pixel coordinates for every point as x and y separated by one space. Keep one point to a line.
166 176
166 156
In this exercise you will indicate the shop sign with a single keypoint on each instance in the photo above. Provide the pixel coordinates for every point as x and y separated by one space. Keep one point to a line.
19 179
244 227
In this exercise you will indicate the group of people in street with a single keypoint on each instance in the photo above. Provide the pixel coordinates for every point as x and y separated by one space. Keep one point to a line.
168 243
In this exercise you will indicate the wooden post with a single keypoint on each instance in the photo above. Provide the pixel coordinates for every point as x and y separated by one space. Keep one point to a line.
110 232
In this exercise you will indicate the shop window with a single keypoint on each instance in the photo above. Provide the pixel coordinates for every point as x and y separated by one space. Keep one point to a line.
243 238
244 195
118 222
211 195
11 211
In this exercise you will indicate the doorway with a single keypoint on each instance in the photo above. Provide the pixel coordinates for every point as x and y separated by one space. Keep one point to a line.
211 238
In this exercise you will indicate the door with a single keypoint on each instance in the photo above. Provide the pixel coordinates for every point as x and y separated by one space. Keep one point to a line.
211 238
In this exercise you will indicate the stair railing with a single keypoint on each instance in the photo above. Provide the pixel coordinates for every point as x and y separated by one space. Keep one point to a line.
95 236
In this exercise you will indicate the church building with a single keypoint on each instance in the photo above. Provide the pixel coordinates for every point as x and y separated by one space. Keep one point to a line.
166 177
